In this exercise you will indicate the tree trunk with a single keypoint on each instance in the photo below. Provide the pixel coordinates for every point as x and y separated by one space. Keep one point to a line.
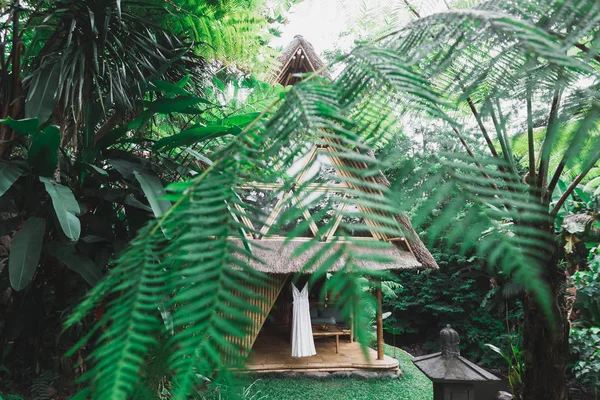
13 103
546 344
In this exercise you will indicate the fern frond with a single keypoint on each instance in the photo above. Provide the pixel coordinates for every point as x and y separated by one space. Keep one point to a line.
134 321
190 261
233 32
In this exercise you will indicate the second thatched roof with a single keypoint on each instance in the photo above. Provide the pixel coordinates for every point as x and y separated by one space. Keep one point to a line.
298 57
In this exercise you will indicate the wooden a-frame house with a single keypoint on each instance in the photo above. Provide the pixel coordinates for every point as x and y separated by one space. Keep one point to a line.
268 341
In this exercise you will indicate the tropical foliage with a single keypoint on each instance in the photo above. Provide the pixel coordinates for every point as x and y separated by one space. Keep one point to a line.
585 333
196 234
461 294
523 58
98 84
234 32
585 347
64 91
177 294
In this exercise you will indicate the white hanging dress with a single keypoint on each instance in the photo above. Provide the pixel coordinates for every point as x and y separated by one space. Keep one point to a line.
303 344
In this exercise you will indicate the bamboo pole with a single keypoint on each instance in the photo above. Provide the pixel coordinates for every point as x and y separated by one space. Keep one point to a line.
379 321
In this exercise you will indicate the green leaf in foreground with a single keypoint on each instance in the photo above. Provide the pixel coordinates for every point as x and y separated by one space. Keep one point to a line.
191 136
65 207
25 252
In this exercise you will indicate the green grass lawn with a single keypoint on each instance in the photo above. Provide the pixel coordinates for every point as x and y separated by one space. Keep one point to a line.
411 385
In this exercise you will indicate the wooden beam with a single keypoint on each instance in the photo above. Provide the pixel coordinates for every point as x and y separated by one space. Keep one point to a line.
338 219
245 219
307 216
278 238
379 321
396 239
353 324
403 241
274 213
339 164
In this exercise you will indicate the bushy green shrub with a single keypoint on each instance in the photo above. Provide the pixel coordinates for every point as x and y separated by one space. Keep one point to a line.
461 294
585 349
584 338
587 284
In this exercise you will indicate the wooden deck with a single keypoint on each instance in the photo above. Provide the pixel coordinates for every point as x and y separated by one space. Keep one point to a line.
274 354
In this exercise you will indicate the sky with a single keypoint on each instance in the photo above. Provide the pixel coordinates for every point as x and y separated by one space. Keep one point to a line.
322 21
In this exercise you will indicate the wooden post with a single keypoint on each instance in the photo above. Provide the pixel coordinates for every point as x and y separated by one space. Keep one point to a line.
379 321
352 324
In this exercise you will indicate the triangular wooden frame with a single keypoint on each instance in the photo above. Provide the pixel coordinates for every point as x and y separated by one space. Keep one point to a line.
291 195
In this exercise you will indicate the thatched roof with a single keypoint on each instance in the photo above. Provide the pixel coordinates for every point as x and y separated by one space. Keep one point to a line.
298 57
276 256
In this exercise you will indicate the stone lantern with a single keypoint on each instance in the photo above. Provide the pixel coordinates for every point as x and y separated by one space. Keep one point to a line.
453 377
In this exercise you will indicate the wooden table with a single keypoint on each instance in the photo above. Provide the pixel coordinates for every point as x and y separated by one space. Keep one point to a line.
331 331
